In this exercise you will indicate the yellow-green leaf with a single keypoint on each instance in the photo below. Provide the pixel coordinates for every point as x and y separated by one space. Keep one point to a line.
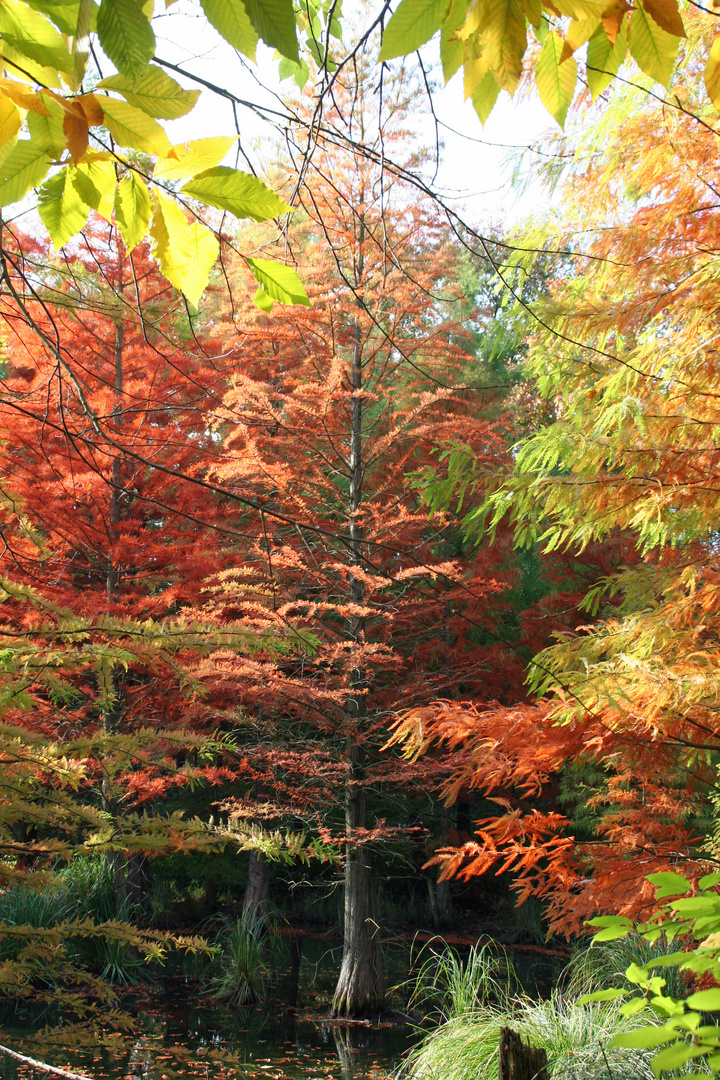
188 159
95 181
126 35
61 207
134 128
413 23
22 170
47 130
81 40
712 73
485 95
504 40
231 19
31 34
652 48
10 119
581 9
555 80
242 194
263 300
279 281
185 253
132 209
451 47
274 21
604 58
155 93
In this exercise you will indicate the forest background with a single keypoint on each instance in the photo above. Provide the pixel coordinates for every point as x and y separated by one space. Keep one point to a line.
391 550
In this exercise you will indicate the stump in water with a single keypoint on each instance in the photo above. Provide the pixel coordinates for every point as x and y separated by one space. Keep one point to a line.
519 1060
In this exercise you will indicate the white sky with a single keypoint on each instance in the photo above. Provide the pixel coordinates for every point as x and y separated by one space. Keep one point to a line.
474 174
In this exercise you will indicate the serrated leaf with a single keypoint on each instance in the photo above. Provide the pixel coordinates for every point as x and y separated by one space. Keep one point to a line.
95 181
61 208
274 20
64 13
485 95
554 79
668 883
133 209
712 73
185 253
134 128
155 93
10 119
263 300
242 194
413 23
504 40
604 58
667 15
22 170
188 159
81 39
451 47
77 133
652 48
31 34
280 281
126 35
47 130
230 19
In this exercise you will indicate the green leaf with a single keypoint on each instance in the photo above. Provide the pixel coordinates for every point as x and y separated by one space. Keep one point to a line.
413 23
134 128
155 93
64 13
485 95
708 904
634 1005
602 995
274 21
280 281
644 1037
231 19
47 131
186 253
668 883
10 120
707 1000
132 209
95 181
652 48
22 170
604 58
263 300
675 1056
188 159
709 881
555 80
242 194
81 40
33 35
451 47
61 208
126 35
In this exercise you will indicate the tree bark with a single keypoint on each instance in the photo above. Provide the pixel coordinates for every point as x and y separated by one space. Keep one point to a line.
258 884
519 1060
360 989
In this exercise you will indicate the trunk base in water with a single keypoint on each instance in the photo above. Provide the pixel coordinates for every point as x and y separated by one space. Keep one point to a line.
360 990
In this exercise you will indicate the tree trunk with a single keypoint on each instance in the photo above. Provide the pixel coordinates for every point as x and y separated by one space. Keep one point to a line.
258 884
360 989
519 1060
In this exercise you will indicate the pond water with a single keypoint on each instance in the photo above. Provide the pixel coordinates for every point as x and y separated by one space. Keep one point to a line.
177 1033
